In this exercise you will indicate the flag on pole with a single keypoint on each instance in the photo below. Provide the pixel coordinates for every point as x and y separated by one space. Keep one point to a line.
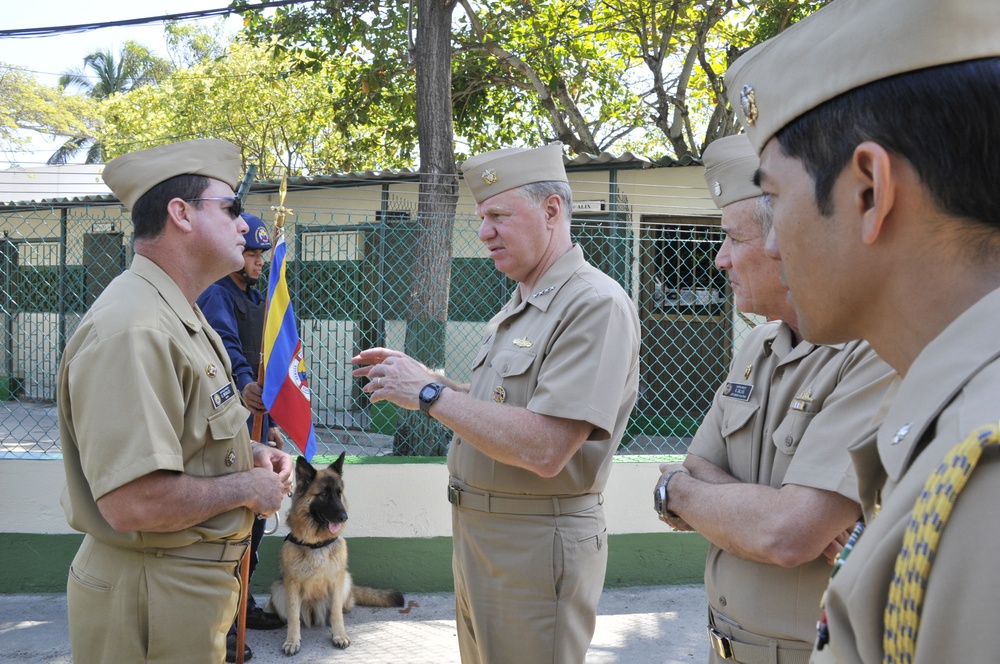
286 387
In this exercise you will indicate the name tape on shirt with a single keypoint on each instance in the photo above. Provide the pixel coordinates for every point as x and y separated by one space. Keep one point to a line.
222 395
739 391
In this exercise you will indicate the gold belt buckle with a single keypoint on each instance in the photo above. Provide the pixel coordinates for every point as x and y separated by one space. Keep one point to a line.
721 644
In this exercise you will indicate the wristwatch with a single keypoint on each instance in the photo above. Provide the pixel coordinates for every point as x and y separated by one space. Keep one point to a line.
429 394
660 498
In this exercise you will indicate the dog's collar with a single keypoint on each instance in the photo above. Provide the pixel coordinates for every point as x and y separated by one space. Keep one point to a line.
316 545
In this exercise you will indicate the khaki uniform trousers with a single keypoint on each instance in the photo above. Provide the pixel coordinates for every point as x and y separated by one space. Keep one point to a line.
527 587
729 643
131 606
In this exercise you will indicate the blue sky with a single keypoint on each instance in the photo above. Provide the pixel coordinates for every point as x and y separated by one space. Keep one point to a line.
48 57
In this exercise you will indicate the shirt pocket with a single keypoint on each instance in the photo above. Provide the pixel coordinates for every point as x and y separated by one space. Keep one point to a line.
514 370
787 435
226 423
738 415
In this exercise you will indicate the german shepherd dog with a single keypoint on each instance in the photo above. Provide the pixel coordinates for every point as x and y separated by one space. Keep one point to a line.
313 586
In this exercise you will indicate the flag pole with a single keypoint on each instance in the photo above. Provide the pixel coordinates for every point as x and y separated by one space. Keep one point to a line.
258 423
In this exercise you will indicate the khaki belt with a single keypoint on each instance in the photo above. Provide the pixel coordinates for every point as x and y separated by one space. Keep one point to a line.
530 506
749 653
229 551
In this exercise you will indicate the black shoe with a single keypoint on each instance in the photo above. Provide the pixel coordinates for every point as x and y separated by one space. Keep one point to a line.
231 649
258 618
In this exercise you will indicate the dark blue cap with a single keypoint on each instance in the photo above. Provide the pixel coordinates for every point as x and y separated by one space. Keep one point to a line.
257 237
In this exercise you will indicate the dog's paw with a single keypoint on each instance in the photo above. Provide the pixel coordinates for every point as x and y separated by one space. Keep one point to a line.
291 647
341 641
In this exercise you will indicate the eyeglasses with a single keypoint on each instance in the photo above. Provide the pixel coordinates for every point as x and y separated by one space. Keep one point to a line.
234 210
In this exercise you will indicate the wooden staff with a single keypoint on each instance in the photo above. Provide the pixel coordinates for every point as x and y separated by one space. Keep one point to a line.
256 434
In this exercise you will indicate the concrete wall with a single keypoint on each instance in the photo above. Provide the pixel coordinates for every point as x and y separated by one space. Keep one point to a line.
399 532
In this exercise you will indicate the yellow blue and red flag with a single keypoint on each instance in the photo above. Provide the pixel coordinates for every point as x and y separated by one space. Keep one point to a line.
286 386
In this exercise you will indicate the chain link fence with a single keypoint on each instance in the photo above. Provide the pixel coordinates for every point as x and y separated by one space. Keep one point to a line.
353 285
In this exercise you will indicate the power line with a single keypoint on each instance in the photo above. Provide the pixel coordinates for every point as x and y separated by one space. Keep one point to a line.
183 16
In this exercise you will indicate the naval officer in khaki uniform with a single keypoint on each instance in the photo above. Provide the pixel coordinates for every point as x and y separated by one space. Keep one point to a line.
552 388
878 122
771 485
160 472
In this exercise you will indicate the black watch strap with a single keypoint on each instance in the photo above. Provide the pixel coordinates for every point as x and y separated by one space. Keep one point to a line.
429 394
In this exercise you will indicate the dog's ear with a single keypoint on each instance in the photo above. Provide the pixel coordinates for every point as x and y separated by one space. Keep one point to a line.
304 472
338 465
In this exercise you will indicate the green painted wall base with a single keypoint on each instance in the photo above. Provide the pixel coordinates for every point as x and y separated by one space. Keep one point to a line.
39 563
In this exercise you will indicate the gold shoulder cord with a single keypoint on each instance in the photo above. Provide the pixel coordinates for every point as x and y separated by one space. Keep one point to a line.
920 542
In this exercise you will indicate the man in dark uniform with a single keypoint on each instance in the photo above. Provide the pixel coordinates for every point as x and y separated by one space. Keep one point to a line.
235 309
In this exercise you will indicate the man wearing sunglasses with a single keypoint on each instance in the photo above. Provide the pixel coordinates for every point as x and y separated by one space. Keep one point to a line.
161 474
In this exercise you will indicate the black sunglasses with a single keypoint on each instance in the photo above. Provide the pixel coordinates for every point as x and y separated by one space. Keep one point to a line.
234 210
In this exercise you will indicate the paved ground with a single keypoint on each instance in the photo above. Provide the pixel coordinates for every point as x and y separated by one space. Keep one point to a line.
647 625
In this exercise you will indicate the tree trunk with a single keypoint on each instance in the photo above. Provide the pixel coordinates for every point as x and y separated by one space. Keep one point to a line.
428 311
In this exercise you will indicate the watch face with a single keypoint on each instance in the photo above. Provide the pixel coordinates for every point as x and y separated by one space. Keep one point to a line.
426 392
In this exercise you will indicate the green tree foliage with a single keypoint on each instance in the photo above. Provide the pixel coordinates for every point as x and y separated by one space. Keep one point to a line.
105 74
283 117
189 45
28 105
639 75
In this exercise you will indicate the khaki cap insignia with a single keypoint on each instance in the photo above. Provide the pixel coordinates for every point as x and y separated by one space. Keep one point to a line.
499 394
748 100
230 457
211 370
522 343
490 176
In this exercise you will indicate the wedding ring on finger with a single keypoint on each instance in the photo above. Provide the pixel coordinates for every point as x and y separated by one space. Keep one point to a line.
379 382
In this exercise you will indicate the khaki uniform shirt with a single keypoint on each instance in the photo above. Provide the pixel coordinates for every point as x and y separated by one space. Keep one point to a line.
571 349
786 415
144 385
951 389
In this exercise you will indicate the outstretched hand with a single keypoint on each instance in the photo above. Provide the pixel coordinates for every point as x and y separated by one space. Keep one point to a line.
392 376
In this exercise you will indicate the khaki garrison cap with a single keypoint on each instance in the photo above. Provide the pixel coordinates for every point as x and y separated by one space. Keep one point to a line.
730 164
495 172
132 175
850 43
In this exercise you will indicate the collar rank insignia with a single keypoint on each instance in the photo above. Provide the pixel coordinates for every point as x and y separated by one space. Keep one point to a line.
748 100
522 343
901 434
544 291
490 176
746 373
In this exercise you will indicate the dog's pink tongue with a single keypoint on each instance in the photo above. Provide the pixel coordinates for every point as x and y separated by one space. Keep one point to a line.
335 528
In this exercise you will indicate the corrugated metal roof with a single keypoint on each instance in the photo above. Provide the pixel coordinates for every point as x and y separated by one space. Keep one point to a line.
580 162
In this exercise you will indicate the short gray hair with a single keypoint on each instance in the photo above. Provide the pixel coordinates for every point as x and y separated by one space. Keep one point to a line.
536 192
762 214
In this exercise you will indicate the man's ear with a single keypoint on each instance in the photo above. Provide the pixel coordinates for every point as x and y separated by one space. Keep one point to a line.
553 210
177 215
876 186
